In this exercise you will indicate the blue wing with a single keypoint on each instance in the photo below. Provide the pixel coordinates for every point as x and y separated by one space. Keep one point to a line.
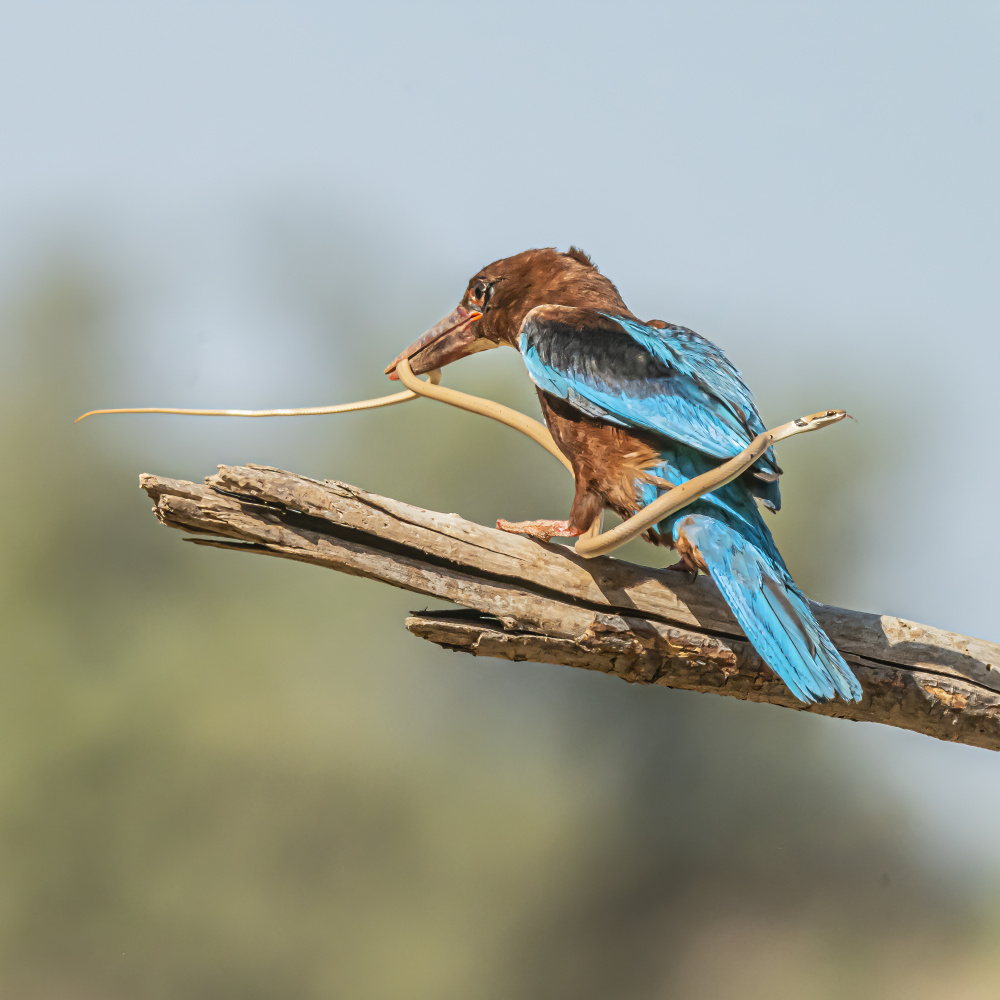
668 382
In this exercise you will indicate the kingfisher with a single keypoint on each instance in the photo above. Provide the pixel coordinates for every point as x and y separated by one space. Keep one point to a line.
638 408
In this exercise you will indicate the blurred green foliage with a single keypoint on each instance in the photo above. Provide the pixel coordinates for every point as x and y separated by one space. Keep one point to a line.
232 777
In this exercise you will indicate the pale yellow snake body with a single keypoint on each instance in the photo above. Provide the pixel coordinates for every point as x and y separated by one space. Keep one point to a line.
592 543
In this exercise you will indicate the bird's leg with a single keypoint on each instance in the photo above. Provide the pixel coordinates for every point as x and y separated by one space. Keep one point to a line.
586 511
542 530
690 558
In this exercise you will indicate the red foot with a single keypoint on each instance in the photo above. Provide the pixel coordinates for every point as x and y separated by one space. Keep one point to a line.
542 530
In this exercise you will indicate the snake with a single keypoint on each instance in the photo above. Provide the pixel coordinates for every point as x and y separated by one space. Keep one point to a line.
593 542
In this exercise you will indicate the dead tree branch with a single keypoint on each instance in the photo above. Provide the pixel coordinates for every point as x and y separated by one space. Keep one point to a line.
528 601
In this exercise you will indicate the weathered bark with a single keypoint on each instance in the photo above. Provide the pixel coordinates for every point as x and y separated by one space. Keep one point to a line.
528 601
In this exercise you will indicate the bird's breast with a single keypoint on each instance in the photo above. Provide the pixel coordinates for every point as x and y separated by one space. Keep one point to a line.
606 460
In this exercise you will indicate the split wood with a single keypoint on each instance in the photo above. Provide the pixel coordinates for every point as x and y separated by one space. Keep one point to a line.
526 600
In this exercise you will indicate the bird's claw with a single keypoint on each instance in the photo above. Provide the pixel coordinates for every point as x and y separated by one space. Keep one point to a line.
683 566
542 530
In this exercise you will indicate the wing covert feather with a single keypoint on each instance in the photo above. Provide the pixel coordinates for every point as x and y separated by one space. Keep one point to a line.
670 382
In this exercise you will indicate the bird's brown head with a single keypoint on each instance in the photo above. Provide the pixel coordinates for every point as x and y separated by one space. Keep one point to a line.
498 298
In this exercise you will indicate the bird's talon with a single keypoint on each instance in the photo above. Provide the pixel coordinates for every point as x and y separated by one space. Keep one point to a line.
542 530
683 566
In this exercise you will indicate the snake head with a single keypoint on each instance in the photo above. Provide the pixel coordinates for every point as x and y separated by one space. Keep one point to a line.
816 421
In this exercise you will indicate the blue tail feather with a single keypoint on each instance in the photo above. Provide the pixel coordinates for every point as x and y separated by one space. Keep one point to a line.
771 610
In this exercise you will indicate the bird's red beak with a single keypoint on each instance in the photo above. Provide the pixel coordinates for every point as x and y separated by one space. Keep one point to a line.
453 338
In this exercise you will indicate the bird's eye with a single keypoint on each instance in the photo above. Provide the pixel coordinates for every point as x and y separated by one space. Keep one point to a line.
478 291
